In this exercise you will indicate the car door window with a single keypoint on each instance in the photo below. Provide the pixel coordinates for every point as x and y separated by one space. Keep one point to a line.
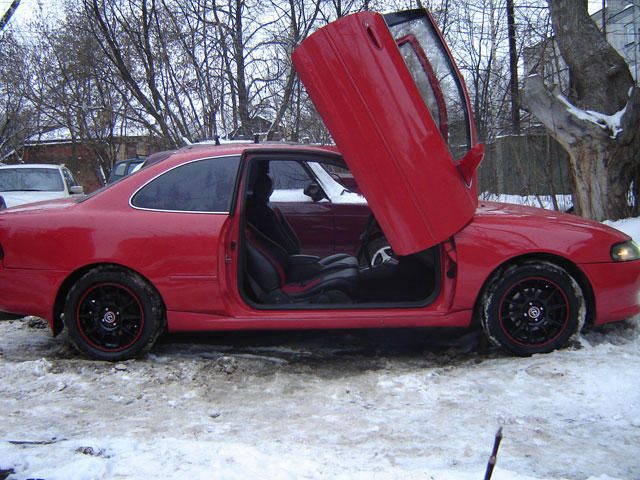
120 169
288 175
437 80
68 177
290 178
132 166
198 186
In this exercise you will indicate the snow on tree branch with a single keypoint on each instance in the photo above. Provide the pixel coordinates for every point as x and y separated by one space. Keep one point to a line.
611 123
562 116
565 122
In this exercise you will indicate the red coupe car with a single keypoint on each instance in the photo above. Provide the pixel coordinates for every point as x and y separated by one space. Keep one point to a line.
192 242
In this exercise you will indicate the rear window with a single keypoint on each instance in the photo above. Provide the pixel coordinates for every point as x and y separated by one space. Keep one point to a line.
31 180
199 186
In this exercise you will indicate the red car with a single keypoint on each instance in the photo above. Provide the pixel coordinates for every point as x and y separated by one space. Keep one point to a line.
192 242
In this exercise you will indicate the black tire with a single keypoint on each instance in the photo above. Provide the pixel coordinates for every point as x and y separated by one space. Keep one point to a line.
533 307
113 314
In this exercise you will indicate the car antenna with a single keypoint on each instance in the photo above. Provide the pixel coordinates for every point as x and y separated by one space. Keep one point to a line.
217 139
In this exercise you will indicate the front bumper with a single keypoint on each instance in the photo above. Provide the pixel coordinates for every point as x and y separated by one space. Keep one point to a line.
616 289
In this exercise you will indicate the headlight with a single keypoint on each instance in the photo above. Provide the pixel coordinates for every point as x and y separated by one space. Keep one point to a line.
625 252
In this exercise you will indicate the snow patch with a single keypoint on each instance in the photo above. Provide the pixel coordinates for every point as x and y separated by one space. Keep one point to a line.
565 202
611 123
574 413
630 226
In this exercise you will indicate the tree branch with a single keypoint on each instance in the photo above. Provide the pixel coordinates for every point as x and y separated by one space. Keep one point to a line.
554 111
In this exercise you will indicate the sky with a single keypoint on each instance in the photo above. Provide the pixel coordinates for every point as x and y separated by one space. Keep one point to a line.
28 7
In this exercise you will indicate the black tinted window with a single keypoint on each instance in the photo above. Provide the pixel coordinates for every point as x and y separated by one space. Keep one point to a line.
200 186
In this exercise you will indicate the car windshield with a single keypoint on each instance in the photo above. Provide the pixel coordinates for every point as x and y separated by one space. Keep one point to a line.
30 180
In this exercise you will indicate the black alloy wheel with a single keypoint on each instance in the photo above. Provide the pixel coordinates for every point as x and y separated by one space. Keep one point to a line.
113 314
110 317
534 307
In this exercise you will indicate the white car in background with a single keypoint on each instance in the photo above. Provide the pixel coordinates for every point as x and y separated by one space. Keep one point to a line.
29 183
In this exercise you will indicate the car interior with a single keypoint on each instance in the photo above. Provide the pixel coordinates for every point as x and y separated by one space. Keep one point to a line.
276 272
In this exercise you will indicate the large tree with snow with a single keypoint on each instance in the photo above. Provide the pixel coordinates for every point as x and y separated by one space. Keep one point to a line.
598 123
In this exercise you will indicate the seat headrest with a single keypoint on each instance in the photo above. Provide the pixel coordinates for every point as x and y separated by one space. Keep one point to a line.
263 188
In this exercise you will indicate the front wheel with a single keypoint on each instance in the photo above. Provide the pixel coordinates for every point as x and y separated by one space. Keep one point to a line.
534 307
113 314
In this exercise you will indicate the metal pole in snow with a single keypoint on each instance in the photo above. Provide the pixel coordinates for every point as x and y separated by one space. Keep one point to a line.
494 455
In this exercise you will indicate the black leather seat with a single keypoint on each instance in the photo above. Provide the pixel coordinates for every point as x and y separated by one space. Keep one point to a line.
275 277
268 221
273 225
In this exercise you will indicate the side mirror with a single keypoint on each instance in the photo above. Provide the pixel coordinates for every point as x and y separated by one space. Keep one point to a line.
470 162
76 190
314 191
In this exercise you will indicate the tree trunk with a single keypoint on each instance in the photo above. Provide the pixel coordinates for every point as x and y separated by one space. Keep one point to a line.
599 126
513 69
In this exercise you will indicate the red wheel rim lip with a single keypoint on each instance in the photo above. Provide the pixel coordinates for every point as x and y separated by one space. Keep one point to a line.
565 321
81 329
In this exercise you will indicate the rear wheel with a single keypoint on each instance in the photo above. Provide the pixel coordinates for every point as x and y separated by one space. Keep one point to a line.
113 314
534 307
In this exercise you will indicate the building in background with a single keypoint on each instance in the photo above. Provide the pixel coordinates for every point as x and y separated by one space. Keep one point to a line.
620 20
81 158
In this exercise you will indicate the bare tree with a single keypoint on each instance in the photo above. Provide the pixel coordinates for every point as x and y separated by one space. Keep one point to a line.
69 84
17 117
479 43
297 19
4 20
124 30
196 71
513 68
598 124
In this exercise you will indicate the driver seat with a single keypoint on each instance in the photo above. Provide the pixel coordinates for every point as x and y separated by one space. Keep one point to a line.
272 224
277 278
267 220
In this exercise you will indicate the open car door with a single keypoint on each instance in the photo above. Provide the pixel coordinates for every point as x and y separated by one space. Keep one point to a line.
391 96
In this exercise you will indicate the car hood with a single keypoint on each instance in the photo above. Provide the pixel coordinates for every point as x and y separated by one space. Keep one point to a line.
533 215
523 230
36 206
12 199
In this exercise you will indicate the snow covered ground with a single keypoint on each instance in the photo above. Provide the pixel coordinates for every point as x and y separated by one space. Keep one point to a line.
564 202
346 405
